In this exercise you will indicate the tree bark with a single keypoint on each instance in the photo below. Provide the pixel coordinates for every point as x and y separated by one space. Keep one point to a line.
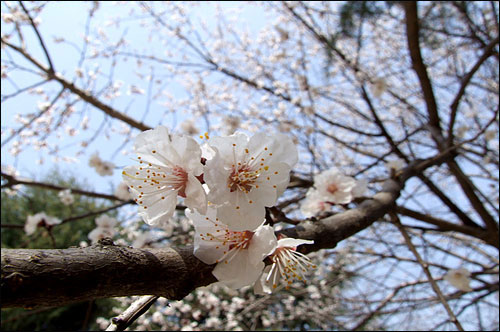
54 277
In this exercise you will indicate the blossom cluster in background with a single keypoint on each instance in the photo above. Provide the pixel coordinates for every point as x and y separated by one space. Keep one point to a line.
226 184
331 187
103 168
105 228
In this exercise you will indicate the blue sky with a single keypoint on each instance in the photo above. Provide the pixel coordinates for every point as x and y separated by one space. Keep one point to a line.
68 20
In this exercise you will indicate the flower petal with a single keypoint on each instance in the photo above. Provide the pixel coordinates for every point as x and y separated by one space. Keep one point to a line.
195 194
241 216
263 244
276 148
293 243
238 272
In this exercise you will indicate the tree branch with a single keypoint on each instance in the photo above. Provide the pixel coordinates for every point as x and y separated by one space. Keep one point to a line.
136 309
54 277
425 267
412 34
79 92
11 181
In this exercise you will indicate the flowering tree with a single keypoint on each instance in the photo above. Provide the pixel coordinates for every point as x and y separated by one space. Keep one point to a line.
362 133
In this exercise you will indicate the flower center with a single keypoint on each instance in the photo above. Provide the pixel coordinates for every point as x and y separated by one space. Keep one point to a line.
290 264
242 178
332 188
243 240
182 177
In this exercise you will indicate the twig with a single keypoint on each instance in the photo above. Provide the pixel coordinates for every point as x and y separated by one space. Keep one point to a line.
40 39
133 312
425 267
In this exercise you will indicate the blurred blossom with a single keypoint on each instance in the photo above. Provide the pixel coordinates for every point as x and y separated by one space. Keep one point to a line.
39 220
66 197
459 278
396 164
122 192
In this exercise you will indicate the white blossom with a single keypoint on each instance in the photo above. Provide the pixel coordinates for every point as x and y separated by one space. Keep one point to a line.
288 264
459 278
106 221
246 175
39 219
239 254
66 197
335 187
169 165
395 164
105 228
105 168
313 203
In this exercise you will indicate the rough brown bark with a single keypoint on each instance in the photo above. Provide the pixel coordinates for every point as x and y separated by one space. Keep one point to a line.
54 277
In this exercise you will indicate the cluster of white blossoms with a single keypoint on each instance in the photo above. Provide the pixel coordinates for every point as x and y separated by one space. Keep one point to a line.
226 185
39 220
102 168
105 228
331 187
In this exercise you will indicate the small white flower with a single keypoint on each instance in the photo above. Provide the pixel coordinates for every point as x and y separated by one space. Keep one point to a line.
313 204
396 164
100 233
169 165
246 175
459 278
105 168
95 160
239 254
189 128
105 221
66 197
39 219
335 187
122 192
288 263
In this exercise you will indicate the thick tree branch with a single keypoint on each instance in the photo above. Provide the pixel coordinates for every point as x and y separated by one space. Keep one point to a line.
32 278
